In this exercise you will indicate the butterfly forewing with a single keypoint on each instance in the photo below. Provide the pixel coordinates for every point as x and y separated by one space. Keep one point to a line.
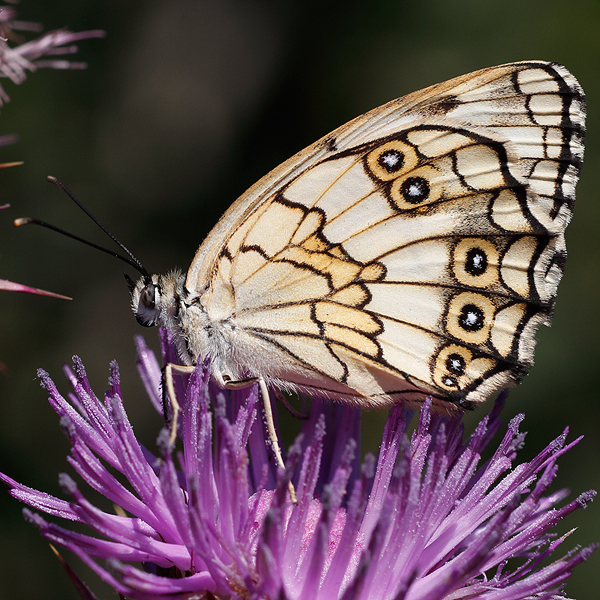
412 252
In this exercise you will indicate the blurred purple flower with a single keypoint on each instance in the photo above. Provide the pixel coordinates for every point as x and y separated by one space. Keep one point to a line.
426 520
17 59
10 286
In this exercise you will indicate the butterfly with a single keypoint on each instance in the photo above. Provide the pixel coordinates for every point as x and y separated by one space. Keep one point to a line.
410 254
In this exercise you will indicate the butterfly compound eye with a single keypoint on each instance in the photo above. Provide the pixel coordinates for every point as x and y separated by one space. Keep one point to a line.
146 312
148 297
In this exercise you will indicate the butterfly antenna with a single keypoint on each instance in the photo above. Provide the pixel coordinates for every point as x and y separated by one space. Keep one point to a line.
130 259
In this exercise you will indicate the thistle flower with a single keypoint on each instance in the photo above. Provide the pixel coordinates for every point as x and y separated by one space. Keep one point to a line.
16 60
426 520
11 286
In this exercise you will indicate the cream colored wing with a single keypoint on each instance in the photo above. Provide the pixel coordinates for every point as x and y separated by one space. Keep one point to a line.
415 250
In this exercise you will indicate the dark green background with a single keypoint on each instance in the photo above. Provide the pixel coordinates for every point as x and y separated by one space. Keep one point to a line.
184 105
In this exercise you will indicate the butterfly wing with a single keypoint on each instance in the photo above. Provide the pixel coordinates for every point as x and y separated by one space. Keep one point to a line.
414 251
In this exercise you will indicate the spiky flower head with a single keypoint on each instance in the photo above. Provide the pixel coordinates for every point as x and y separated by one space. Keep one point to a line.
428 519
18 56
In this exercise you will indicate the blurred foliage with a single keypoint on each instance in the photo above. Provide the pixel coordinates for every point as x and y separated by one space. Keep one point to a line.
184 105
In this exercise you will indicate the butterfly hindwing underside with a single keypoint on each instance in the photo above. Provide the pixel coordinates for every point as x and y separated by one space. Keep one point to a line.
413 252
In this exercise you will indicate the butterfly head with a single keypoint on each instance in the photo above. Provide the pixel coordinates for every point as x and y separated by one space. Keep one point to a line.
154 298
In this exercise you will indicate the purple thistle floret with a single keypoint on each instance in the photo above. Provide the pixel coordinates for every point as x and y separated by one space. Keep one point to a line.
17 59
426 520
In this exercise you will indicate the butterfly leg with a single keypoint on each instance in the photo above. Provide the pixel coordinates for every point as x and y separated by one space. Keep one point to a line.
169 369
264 392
